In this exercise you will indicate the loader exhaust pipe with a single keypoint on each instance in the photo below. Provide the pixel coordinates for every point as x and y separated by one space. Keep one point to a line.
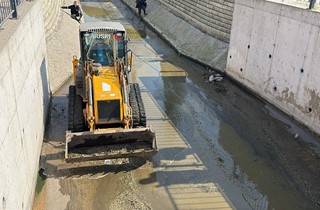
90 105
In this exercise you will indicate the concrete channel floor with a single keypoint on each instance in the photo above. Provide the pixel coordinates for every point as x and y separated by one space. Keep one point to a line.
215 142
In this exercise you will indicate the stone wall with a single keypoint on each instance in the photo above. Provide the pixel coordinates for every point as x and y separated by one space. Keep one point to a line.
213 17
62 34
52 16
25 98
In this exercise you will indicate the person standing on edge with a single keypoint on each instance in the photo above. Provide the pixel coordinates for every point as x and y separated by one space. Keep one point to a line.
311 4
75 10
141 4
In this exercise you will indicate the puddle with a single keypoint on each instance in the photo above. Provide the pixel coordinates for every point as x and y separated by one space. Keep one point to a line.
95 11
132 33
41 180
39 197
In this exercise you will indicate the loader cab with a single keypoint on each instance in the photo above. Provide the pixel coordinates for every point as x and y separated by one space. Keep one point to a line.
101 51
103 47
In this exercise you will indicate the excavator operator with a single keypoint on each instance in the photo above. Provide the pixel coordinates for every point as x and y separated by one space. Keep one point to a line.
101 53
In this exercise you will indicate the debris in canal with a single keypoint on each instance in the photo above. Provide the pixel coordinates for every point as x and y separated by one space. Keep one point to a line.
215 77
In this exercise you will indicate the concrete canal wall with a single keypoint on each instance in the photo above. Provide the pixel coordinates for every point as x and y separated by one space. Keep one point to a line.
274 51
25 98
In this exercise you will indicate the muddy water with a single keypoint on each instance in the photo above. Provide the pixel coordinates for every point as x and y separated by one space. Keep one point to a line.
220 147
253 143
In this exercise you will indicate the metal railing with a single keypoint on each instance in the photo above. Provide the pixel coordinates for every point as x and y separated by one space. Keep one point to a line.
8 8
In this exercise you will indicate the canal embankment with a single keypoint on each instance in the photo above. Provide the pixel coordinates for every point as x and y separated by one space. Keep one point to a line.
189 28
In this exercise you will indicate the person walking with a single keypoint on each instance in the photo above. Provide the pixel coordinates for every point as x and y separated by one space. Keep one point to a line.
75 11
141 5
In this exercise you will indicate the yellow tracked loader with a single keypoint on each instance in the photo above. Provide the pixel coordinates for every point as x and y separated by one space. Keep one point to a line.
106 115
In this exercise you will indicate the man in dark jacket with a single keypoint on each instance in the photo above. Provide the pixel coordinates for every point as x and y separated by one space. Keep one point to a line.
141 4
75 10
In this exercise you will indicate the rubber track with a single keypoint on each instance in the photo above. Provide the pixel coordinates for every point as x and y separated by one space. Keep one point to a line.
142 112
71 99
75 113
134 106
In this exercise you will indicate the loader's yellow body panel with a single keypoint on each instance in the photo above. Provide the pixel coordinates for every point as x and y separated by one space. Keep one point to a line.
107 89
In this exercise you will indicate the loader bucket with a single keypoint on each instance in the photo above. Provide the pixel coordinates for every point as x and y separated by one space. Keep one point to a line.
87 146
